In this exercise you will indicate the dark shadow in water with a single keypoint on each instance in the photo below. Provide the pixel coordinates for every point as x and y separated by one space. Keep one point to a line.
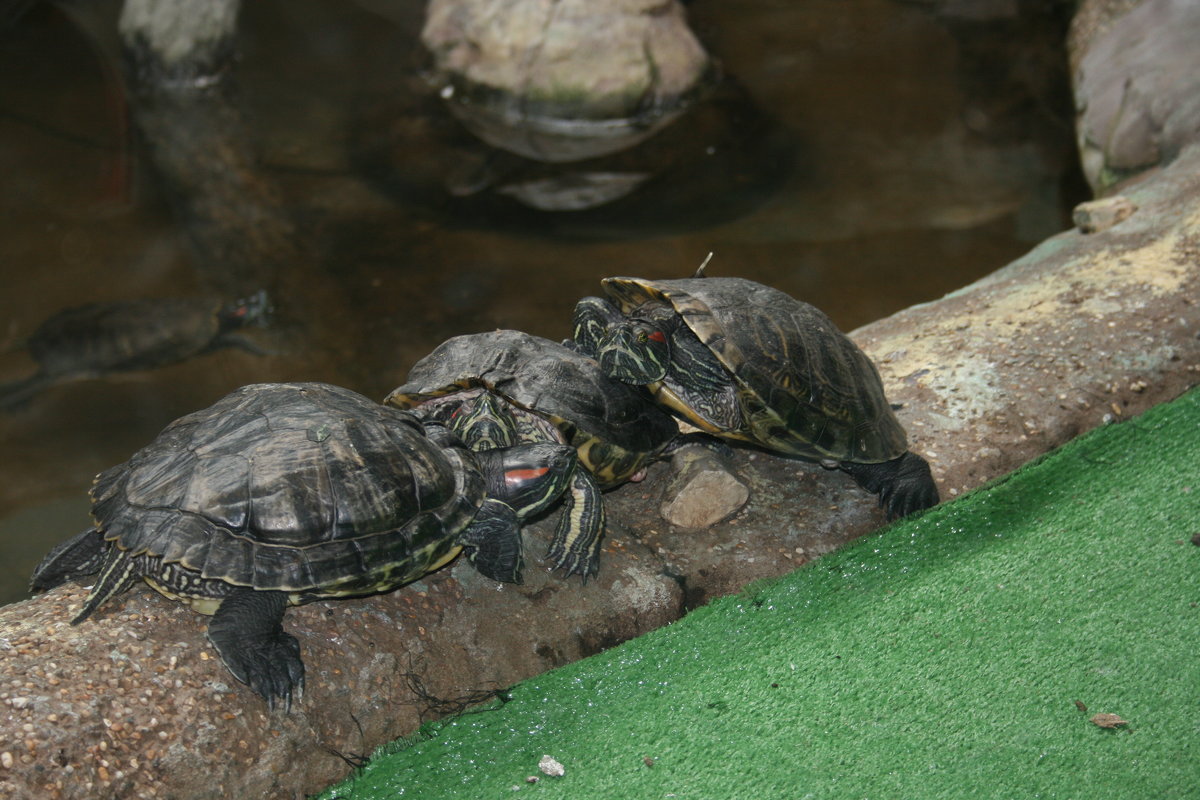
720 161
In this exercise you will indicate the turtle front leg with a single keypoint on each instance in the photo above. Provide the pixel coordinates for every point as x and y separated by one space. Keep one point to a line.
247 631
593 318
492 542
576 545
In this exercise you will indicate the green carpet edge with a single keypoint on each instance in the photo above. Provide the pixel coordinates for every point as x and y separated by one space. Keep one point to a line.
841 563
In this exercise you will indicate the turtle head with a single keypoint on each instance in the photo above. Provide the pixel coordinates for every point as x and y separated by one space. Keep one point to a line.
634 348
253 310
636 351
528 478
483 421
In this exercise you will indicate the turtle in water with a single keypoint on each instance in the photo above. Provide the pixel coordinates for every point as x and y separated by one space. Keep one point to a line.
97 339
282 494
749 363
503 387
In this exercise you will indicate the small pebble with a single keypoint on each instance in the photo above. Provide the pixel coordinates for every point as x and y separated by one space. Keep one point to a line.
704 489
1099 215
549 766
1108 721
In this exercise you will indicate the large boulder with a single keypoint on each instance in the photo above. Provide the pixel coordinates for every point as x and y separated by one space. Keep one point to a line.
1137 86
568 80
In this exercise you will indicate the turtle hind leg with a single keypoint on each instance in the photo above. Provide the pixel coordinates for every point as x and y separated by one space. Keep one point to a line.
117 573
247 631
492 542
904 485
576 545
76 558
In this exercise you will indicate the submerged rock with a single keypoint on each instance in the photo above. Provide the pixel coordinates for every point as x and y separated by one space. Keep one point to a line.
568 80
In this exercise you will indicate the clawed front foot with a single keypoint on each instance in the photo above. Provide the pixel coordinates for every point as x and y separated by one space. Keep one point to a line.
905 485
247 632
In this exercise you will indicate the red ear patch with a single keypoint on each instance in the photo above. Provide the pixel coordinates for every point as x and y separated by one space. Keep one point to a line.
523 475
657 336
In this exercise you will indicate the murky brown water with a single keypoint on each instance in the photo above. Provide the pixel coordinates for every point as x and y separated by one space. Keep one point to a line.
863 155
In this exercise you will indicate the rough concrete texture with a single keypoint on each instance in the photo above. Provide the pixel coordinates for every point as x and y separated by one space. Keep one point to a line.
1088 328
1091 20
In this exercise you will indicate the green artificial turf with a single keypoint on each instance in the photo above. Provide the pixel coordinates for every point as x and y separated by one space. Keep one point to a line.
949 656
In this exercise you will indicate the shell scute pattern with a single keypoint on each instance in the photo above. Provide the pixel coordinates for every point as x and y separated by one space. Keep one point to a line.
613 426
803 386
290 511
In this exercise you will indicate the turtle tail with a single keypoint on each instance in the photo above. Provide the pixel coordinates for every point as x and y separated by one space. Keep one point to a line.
117 573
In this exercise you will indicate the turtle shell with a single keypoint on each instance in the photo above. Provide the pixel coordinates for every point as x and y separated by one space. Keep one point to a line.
804 387
614 426
304 488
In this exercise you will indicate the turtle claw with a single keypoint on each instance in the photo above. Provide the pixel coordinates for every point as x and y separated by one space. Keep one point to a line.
576 546
898 502
585 565
271 668
278 673
912 488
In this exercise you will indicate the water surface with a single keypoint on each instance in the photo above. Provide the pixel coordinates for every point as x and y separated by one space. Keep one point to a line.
863 155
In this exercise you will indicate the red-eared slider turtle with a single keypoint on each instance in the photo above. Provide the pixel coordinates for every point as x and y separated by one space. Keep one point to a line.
503 387
282 494
749 363
101 338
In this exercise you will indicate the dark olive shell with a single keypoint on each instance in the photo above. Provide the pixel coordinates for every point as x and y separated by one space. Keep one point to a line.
303 487
614 426
804 387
